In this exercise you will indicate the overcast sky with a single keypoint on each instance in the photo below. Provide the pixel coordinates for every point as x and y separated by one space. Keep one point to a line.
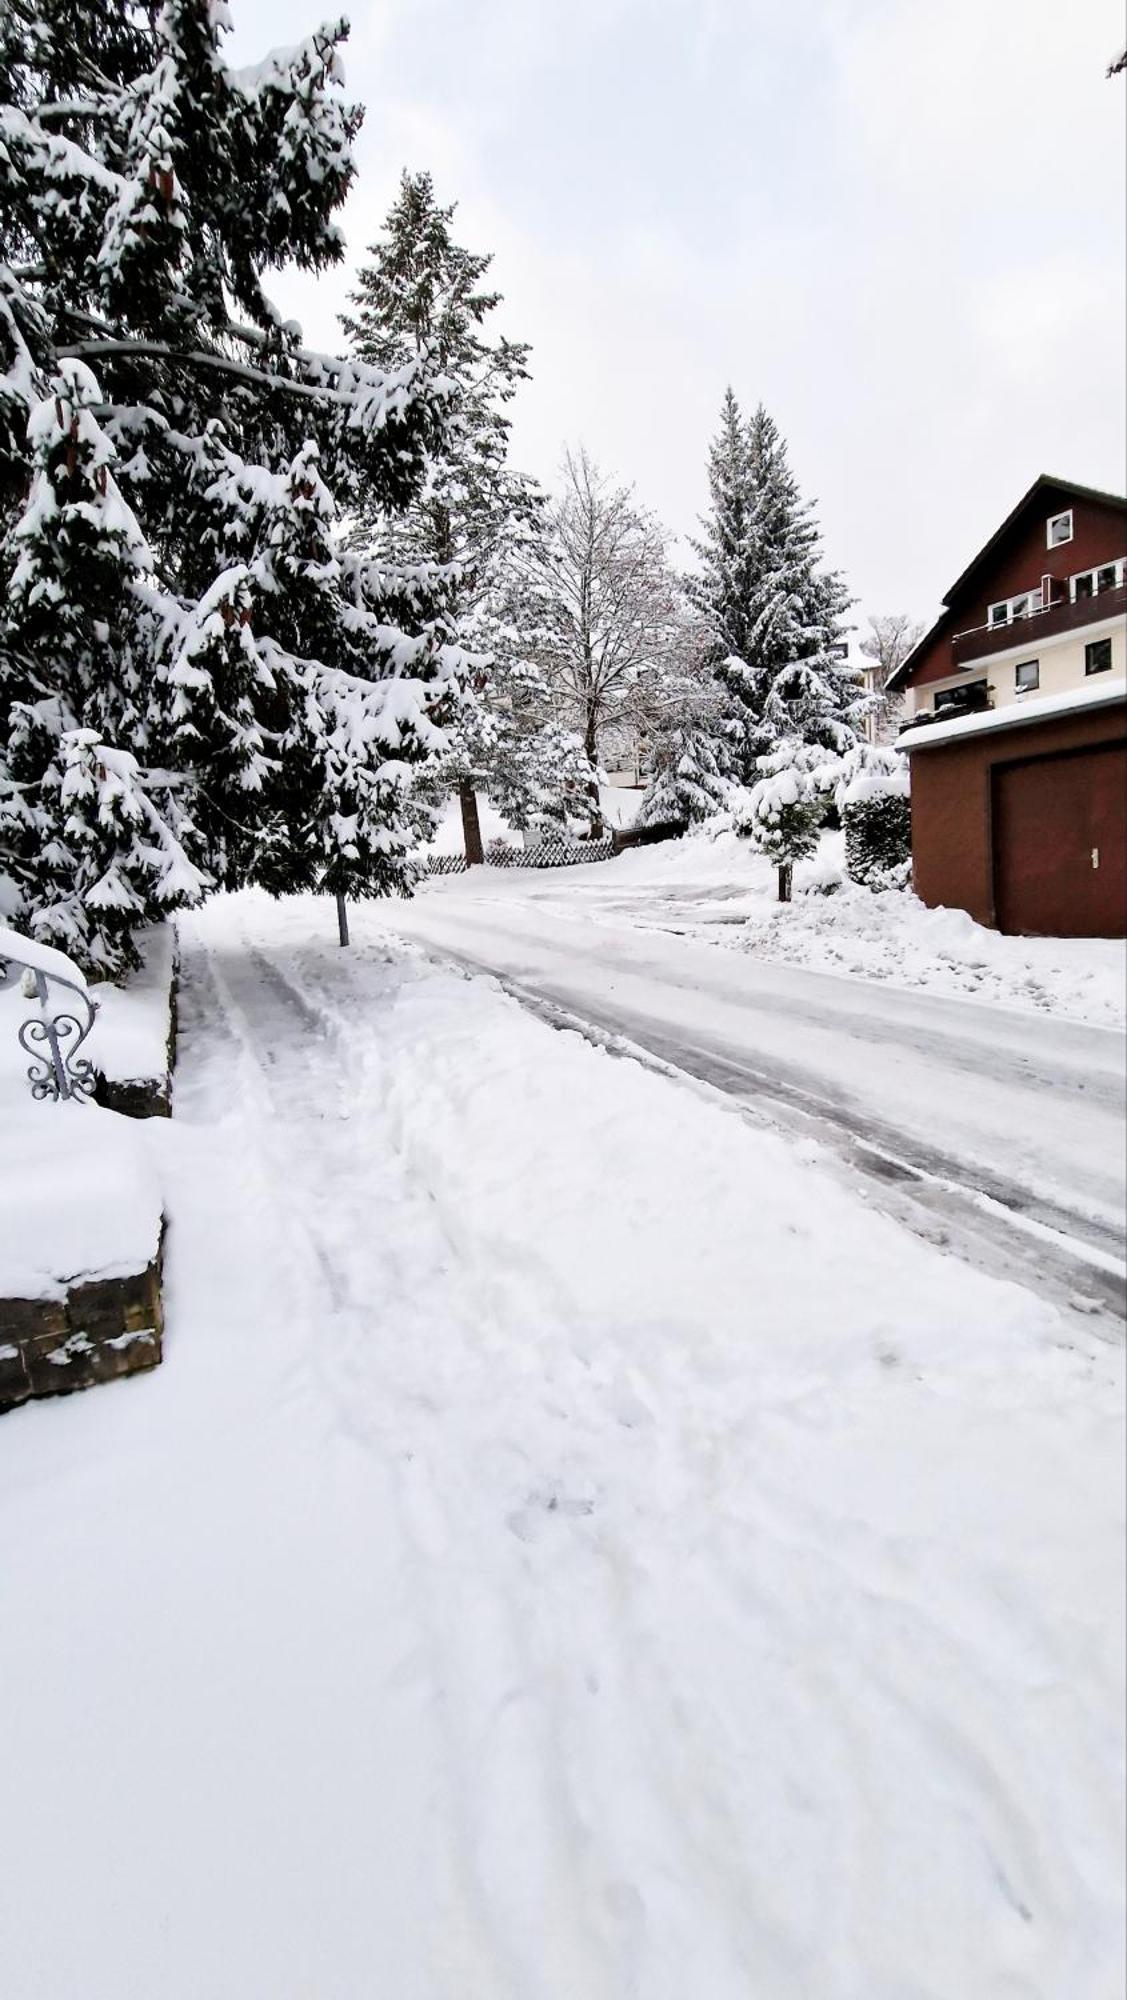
897 223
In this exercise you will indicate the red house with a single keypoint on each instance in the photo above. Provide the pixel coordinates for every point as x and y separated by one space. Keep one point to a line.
1017 723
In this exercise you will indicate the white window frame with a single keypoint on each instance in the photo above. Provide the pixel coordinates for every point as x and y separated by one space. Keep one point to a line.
1031 601
1059 541
1033 685
1089 671
1119 565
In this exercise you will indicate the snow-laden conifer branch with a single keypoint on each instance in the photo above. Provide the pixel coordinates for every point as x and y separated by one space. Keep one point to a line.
178 589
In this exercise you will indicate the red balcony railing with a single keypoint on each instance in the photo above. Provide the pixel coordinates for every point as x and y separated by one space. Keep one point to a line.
983 640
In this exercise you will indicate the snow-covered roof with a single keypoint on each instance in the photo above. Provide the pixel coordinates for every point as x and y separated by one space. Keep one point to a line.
1015 714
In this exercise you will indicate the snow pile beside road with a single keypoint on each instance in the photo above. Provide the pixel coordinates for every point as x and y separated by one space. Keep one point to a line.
574 1547
890 935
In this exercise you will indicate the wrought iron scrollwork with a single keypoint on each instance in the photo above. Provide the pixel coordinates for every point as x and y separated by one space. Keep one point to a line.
53 1037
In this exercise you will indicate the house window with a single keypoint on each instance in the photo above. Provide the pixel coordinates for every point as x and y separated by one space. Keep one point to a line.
965 700
1089 582
1014 607
1027 676
1097 656
1058 530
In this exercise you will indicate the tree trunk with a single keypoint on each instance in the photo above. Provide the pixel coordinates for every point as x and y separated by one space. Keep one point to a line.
786 877
591 746
471 825
342 918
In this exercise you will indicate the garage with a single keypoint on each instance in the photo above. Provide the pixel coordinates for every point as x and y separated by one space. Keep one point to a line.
1059 843
1019 815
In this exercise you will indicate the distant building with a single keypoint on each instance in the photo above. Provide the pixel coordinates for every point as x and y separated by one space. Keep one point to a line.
1017 723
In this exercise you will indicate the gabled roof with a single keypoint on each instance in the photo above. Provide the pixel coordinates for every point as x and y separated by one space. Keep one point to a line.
1039 485
1044 482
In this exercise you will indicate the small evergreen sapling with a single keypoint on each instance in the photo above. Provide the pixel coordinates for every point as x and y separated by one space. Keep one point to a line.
786 808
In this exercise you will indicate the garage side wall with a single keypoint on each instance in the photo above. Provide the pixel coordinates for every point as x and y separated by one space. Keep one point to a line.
953 832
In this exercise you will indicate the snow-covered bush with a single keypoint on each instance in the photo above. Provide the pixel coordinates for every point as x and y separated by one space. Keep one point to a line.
824 878
878 840
877 815
501 853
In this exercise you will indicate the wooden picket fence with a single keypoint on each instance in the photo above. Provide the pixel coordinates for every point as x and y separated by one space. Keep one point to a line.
555 850
550 853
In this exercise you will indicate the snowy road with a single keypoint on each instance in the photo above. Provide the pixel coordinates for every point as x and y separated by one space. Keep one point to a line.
1005 1131
573 1550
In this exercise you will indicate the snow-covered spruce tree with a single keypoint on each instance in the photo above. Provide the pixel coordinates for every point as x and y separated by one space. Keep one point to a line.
507 738
723 588
423 295
775 612
288 683
690 762
93 848
687 784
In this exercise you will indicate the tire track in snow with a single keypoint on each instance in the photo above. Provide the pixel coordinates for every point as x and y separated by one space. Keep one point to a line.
625 1803
479 1669
895 1712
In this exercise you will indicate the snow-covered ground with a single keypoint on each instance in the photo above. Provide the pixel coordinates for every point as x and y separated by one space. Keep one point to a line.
78 1195
1007 1125
718 888
715 887
130 1038
572 1548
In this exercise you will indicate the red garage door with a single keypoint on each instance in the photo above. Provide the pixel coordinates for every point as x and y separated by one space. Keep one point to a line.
1060 844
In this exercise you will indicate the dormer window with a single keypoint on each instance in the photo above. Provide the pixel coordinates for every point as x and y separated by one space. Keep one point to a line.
1058 529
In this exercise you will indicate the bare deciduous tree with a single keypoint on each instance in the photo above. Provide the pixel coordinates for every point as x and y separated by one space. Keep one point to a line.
598 603
890 639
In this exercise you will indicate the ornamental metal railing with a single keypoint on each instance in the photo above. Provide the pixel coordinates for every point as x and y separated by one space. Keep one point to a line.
54 1035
